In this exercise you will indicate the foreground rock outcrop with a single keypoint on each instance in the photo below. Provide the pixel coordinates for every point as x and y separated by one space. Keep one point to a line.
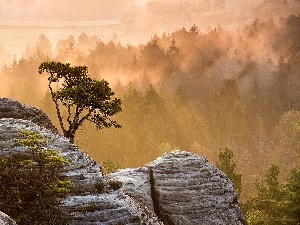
93 199
183 188
178 188
6 220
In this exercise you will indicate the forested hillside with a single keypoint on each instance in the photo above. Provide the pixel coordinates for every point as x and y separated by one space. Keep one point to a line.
190 90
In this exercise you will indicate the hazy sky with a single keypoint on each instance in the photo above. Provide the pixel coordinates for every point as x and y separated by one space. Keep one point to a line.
64 9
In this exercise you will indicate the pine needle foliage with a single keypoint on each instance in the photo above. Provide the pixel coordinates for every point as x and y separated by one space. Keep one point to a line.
31 182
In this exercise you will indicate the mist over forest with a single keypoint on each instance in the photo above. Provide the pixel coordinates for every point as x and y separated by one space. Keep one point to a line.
158 16
192 75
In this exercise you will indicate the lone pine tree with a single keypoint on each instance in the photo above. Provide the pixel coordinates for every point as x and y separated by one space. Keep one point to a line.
81 97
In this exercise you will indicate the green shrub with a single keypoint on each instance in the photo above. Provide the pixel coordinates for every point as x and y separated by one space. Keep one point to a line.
31 183
228 166
109 166
275 203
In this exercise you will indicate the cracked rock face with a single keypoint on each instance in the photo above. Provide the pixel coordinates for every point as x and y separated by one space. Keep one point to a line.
183 188
84 203
6 220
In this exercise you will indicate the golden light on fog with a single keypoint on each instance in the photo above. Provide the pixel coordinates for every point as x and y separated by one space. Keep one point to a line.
114 49
64 9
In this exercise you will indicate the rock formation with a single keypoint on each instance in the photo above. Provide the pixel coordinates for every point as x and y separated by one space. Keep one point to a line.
183 188
14 109
6 220
178 188
93 199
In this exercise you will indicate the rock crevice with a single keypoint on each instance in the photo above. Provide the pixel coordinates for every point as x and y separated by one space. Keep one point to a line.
185 189
154 195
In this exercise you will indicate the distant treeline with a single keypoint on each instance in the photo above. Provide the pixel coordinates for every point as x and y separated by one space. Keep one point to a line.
190 90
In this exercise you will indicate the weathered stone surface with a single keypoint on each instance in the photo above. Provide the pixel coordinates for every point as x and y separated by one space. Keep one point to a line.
14 109
6 220
179 188
109 209
85 203
136 182
184 188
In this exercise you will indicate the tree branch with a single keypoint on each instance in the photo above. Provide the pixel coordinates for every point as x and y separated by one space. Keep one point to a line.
69 115
84 118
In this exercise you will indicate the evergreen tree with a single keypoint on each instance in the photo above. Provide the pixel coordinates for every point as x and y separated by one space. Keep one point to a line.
84 98
293 189
228 115
275 203
228 166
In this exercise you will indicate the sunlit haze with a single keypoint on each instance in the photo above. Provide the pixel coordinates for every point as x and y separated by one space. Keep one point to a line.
64 9
195 75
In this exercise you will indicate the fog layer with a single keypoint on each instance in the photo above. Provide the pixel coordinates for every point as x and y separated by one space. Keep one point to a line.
233 84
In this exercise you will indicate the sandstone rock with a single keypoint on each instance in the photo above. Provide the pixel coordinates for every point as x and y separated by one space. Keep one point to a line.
14 109
92 200
136 182
183 188
178 188
6 220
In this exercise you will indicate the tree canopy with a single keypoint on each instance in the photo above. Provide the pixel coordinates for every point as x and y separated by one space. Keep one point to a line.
275 202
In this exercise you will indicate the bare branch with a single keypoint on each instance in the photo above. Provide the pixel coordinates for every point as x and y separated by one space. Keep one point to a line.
69 115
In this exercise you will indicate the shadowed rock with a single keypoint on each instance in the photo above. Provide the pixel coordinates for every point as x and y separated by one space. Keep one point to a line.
184 188
14 109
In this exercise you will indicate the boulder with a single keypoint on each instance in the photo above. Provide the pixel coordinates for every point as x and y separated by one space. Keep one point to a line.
14 109
183 188
6 220
93 199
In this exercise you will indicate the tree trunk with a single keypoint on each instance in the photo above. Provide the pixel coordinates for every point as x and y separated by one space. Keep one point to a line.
70 135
